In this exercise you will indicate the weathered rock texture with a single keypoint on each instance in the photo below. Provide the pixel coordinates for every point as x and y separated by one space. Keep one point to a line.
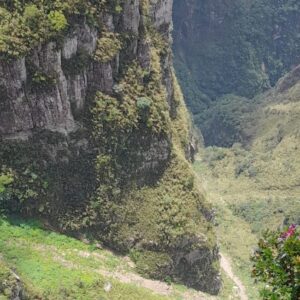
80 180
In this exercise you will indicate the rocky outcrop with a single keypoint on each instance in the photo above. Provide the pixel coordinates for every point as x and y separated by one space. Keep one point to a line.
46 91
289 80
161 13
102 141
29 104
205 258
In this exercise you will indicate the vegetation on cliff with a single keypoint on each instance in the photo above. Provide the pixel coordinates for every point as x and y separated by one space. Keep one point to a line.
123 175
150 221
26 24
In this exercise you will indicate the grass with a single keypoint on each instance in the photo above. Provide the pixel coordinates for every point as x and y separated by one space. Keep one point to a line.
234 234
245 203
255 187
54 266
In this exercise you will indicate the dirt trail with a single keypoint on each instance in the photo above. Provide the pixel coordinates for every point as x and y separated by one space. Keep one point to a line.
226 266
158 287
124 276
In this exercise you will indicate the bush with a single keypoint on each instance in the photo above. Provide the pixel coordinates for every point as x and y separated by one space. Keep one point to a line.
5 180
41 81
277 264
143 105
25 25
213 154
108 46
32 16
57 20
152 264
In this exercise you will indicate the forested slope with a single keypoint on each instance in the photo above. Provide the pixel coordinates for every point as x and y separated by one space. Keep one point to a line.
232 47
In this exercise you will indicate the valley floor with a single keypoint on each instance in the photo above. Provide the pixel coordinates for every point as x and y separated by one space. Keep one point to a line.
247 202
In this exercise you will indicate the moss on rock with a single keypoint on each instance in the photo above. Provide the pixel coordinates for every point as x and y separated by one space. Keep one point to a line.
10 285
108 46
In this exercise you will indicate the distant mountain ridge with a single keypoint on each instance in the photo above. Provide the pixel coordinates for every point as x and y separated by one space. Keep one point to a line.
236 47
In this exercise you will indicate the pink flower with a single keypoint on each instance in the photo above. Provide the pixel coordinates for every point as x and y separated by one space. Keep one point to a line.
291 231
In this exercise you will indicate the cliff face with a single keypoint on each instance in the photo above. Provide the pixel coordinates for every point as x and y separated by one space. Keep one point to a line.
95 132
25 108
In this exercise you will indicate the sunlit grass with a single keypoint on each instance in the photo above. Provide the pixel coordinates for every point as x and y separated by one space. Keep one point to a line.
54 266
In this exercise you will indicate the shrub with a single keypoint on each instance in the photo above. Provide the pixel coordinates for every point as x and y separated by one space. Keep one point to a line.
277 264
213 154
5 180
245 166
118 9
108 47
32 16
42 80
151 264
57 20
23 26
143 105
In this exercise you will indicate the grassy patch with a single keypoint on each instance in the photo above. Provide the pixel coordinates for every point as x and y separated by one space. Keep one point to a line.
249 197
54 266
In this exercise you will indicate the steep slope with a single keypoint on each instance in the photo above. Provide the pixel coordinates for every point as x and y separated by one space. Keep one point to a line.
49 265
269 163
95 137
255 186
53 266
232 47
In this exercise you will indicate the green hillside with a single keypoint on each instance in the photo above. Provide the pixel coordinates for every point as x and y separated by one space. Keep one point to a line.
255 186
48 265
232 47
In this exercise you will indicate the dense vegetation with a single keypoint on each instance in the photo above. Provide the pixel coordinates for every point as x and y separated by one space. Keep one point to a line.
255 186
124 176
277 264
232 47
25 24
